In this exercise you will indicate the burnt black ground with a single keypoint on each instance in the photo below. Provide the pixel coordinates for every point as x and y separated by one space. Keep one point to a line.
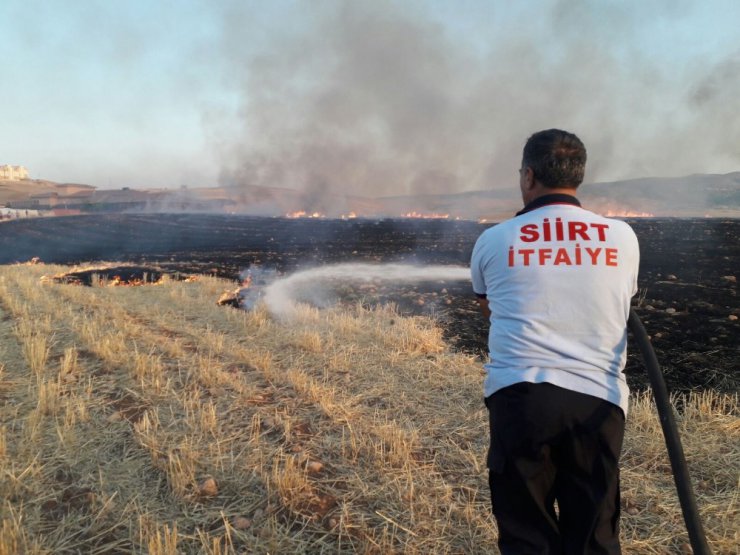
688 271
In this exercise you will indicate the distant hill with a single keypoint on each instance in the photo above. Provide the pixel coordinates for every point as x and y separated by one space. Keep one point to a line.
11 191
688 196
692 195
20 191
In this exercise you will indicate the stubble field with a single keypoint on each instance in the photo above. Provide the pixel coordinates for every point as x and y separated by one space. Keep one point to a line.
149 419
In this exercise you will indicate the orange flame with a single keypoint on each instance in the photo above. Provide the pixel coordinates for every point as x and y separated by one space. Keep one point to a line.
430 215
117 281
304 214
611 213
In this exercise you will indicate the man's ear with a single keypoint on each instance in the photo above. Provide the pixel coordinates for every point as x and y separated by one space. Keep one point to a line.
528 179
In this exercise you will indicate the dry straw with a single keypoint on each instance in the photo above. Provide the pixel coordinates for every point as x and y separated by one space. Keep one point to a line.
147 419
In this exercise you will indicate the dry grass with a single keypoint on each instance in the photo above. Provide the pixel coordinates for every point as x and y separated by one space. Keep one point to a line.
147 419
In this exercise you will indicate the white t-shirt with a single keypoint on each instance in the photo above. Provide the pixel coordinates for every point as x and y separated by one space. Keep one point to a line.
559 280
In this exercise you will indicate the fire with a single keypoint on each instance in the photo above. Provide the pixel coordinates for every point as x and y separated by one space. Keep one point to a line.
304 214
429 215
118 281
627 214
350 216
117 276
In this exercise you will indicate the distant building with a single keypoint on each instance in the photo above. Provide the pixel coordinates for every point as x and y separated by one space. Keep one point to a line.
13 173
14 214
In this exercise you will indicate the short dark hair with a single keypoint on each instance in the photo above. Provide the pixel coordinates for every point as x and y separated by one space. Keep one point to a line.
557 158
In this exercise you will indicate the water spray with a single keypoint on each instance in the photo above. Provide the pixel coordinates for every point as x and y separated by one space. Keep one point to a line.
281 295
681 476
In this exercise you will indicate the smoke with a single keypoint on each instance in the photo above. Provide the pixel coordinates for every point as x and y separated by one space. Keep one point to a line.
380 98
354 105
312 286
714 93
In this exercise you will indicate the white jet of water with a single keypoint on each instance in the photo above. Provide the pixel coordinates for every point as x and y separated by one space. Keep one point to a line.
280 295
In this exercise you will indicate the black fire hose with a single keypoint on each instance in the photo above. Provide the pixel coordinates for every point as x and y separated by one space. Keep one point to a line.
673 441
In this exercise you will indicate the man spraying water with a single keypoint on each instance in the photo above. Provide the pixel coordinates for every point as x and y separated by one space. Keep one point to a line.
556 282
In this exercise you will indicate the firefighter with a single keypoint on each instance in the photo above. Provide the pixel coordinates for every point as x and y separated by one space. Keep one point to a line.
556 282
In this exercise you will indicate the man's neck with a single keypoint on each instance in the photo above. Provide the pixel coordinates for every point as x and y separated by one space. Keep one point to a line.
557 196
540 191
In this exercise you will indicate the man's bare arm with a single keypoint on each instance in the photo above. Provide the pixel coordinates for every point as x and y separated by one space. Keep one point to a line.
484 308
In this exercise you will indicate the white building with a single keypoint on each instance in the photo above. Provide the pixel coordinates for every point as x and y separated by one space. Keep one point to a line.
13 173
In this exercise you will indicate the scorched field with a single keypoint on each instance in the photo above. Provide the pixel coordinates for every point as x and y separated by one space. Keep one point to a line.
150 419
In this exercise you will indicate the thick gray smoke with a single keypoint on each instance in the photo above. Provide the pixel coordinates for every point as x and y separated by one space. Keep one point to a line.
377 98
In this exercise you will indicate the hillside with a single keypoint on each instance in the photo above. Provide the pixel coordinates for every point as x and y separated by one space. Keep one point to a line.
12 191
672 196
696 195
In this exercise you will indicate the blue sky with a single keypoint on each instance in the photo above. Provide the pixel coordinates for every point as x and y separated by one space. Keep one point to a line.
375 98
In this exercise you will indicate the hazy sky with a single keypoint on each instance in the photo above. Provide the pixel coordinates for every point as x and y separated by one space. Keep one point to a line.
371 97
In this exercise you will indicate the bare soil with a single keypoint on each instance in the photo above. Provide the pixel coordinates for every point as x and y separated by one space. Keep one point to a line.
688 274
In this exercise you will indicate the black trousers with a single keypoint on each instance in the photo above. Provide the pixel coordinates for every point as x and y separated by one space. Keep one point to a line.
551 444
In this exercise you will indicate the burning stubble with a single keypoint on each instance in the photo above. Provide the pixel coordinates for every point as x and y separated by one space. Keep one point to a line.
281 296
